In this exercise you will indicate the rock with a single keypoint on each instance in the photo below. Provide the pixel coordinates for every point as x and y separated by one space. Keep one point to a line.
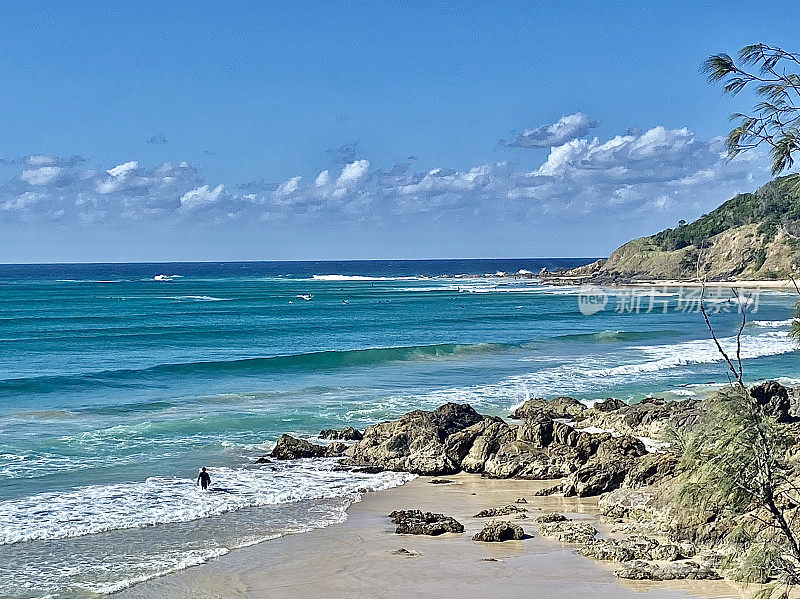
641 570
263 460
441 481
631 548
416 522
609 404
652 469
290 448
649 418
521 500
558 407
773 399
343 434
500 511
568 531
417 442
406 552
472 447
552 517
521 516
639 504
497 531
593 480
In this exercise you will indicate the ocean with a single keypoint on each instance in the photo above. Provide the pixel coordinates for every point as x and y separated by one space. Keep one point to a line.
119 381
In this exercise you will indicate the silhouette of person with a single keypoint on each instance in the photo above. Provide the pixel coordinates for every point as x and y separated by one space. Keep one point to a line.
203 479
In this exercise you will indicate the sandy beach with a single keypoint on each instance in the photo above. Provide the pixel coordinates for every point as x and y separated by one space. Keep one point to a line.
356 559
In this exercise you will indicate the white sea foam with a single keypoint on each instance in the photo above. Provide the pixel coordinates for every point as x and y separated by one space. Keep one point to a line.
160 500
772 323
197 298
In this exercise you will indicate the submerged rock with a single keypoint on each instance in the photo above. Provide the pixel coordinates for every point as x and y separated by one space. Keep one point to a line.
342 434
497 531
416 522
504 510
291 448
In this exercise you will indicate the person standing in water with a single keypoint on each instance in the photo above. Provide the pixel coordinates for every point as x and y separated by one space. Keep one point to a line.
203 479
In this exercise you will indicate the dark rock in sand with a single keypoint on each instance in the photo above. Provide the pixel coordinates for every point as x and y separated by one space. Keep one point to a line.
521 500
504 510
416 522
497 531
441 481
343 434
773 399
641 570
290 448
417 442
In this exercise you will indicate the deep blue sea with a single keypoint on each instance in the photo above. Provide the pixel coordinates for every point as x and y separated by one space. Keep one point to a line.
118 381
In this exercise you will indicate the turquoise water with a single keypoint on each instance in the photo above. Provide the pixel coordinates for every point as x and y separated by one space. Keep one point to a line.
117 382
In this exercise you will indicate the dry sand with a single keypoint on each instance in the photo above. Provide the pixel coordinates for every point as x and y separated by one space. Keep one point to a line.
355 559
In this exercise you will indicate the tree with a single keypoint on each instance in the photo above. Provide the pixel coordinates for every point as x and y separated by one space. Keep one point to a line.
775 120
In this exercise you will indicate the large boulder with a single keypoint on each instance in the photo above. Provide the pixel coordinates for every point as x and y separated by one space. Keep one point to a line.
649 418
417 442
497 531
773 399
416 522
291 448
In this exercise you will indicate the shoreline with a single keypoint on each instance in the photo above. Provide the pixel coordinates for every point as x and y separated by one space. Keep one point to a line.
355 559
769 284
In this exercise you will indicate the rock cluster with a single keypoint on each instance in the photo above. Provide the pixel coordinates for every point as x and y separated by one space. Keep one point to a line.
568 531
497 531
455 437
416 522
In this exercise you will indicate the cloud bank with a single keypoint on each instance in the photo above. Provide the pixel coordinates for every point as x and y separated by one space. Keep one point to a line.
656 171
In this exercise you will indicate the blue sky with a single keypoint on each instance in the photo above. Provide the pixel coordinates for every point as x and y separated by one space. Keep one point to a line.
162 130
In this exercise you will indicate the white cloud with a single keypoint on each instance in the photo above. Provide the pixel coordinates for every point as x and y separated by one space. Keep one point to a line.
323 179
566 128
44 175
123 169
201 196
352 173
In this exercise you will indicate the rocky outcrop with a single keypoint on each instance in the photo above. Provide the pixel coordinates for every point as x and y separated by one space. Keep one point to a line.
641 570
417 442
416 522
497 531
291 448
341 434
455 437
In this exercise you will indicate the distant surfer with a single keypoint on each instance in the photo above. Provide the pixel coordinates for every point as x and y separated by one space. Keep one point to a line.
203 479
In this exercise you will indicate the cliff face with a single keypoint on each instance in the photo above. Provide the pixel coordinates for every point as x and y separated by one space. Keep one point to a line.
752 236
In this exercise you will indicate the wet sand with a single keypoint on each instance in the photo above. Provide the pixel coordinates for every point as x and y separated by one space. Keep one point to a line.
355 559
